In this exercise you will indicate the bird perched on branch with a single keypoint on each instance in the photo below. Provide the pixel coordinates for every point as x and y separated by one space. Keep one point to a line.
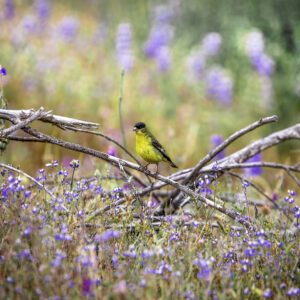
149 148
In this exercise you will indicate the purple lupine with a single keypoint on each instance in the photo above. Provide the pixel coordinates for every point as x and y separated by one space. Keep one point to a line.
211 43
264 64
219 85
267 293
112 151
196 64
30 24
205 268
3 71
68 28
123 46
255 44
43 9
107 235
255 49
9 9
163 58
159 37
162 14
216 140
255 171
86 286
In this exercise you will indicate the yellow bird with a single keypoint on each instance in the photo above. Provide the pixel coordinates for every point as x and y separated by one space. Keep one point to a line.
149 148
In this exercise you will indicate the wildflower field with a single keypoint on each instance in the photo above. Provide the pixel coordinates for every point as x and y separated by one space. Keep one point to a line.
80 219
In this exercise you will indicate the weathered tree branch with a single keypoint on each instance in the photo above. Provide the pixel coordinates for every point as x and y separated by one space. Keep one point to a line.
59 121
34 116
188 176
247 152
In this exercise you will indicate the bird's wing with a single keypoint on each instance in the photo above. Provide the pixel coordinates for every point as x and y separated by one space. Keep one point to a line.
155 143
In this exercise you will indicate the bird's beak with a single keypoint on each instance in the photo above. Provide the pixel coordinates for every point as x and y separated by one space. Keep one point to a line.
134 129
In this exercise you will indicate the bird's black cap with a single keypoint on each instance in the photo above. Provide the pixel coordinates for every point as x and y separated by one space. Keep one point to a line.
140 125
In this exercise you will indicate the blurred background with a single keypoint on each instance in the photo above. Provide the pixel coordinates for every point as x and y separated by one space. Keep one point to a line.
196 71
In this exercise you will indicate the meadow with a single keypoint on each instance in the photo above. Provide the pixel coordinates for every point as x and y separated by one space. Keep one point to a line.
196 72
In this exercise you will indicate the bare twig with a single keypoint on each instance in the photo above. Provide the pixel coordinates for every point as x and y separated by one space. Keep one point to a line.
25 139
107 138
258 164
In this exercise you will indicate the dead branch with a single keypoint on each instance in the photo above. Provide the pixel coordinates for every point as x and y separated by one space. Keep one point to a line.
56 120
34 116
190 179
186 187
247 152
193 175
117 162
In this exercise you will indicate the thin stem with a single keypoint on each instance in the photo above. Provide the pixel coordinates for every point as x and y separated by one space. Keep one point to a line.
120 109
72 179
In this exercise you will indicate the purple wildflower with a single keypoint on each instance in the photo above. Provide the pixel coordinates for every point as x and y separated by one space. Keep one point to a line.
9 9
255 44
107 235
255 47
293 292
211 43
219 85
68 28
246 291
59 256
216 140
123 46
112 151
163 58
43 9
159 36
86 286
195 64
74 164
162 14
30 24
3 71
27 231
143 283
267 293
205 268
264 64
255 171
27 193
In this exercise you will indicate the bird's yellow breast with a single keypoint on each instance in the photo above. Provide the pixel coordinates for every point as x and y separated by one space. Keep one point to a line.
146 150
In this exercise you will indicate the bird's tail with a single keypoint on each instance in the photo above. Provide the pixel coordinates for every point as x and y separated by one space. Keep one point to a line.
172 164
